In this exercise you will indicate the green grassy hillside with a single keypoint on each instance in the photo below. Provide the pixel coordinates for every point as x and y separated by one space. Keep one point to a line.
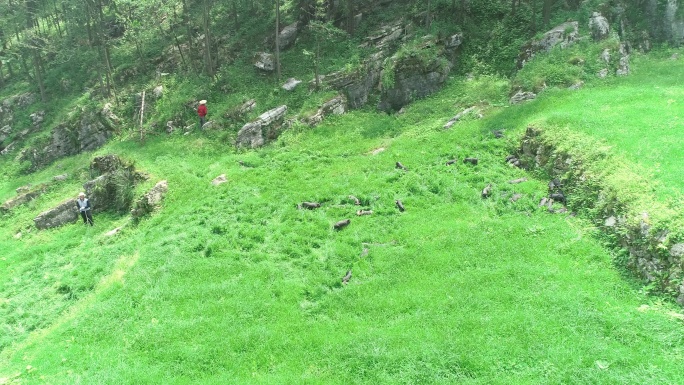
641 116
234 284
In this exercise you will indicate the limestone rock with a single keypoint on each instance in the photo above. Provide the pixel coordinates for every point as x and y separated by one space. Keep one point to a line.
5 133
291 84
65 213
247 106
356 85
677 250
521 96
413 79
334 106
151 200
385 36
37 118
564 35
219 180
23 198
264 61
605 56
623 65
599 26
84 130
263 129
289 35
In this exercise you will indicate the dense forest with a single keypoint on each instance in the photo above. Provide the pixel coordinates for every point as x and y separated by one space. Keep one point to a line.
64 46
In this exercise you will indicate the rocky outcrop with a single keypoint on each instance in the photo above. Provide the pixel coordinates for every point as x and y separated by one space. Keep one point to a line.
65 213
413 74
291 84
385 36
5 133
110 190
149 201
288 35
356 85
86 130
562 35
334 106
264 61
23 198
410 80
13 105
414 78
521 97
239 112
654 250
623 64
264 129
599 27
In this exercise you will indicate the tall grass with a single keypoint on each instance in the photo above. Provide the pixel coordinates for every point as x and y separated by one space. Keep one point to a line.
234 284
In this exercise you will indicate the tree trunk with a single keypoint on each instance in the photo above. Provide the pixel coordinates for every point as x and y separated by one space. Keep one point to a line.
39 74
172 26
317 75
277 39
428 17
236 21
533 20
463 11
350 16
546 14
207 39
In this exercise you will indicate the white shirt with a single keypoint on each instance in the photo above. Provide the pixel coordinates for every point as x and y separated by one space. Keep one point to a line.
82 204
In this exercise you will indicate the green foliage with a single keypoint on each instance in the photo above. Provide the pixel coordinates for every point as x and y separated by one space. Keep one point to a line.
417 55
563 67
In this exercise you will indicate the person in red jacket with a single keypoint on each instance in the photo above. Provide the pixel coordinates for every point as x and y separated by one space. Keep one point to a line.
202 112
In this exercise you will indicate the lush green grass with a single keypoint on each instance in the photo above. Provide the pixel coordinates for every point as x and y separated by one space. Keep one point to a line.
640 116
233 284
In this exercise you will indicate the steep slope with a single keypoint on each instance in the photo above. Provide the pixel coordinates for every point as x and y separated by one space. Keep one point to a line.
234 284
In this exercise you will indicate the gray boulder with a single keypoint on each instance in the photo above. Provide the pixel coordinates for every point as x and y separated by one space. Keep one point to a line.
334 106
605 56
86 130
385 36
5 133
23 198
599 27
262 130
356 85
37 118
150 201
623 65
521 96
413 79
264 61
65 213
563 35
291 84
288 35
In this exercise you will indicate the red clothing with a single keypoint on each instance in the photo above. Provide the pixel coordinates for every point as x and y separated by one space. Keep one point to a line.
202 110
